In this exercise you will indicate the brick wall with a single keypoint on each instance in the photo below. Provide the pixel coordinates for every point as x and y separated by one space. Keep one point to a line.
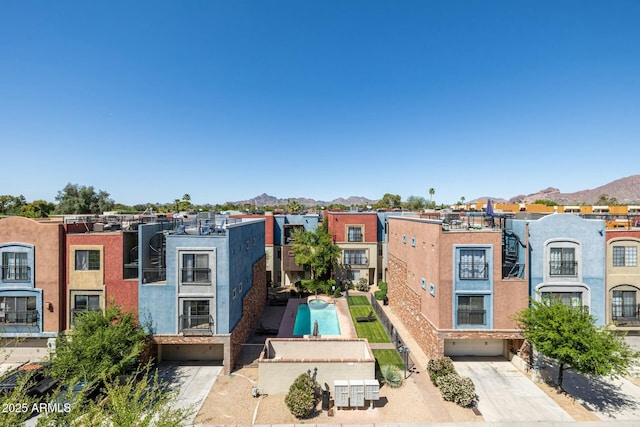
252 307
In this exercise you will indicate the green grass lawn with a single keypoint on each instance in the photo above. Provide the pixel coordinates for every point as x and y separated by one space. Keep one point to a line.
359 300
373 331
388 357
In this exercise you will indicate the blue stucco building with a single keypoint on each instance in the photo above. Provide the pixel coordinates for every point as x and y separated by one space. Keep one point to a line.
567 261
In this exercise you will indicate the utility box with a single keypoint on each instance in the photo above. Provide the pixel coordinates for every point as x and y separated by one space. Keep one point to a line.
341 393
371 390
356 393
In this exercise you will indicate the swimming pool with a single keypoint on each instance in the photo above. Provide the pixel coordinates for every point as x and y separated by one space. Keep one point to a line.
324 313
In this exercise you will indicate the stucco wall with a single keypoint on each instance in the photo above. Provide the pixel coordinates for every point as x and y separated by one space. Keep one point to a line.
331 360
48 241
589 235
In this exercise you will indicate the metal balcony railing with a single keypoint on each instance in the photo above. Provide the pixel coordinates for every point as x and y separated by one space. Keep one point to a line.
151 275
625 311
24 318
563 268
196 324
16 274
472 317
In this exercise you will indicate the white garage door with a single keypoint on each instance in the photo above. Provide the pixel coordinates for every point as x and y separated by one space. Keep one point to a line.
473 347
195 352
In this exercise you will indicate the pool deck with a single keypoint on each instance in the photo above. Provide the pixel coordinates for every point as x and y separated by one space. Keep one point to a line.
347 330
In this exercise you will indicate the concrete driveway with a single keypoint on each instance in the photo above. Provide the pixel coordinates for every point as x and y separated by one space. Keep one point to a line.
507 395
610 399
191 381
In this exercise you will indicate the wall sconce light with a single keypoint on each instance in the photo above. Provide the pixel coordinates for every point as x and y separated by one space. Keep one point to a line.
49 306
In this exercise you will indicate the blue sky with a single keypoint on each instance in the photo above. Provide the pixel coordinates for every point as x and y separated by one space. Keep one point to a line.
225 100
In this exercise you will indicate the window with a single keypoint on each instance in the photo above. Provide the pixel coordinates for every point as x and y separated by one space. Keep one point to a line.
625 256
354 234
87 302
88 260
84 303
624 304
413 242
562 262
353 275
473 264
195 314
572 299
18 311
471 310
195 269
15 266
355 256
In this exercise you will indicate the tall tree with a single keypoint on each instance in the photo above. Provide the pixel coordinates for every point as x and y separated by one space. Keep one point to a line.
11 205
432 192
37 209
76 199
315 251
415 203
570 336
389 201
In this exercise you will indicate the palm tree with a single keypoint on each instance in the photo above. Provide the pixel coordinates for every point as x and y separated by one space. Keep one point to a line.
432 191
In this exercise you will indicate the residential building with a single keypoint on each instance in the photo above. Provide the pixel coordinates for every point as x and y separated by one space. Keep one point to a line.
101 254
203 287
285 225
32 302
623 280
456 286
567 261
356 233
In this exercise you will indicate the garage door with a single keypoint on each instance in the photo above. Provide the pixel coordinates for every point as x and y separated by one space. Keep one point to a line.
193 352
473 347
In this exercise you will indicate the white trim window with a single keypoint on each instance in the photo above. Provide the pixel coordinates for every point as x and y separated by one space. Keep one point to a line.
562 262
195 268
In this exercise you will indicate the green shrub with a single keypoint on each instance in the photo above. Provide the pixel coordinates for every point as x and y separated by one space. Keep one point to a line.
440 367
383 287
379 295
302 397
457 389
363 284
336 293
391 375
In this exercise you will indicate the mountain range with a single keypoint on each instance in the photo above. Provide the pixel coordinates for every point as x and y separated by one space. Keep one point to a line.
624 190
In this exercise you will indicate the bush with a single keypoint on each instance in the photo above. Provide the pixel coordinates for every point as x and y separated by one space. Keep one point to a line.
302 397
379 295
391 375
336 293
363 284
457 389
440 367
383 287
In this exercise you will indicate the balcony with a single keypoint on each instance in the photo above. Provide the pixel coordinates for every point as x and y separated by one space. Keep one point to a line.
196 276
152 275
472 317
563 268
627 315
16 274
196 324
20 318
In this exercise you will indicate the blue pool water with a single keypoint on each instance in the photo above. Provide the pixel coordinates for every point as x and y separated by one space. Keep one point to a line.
324 313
